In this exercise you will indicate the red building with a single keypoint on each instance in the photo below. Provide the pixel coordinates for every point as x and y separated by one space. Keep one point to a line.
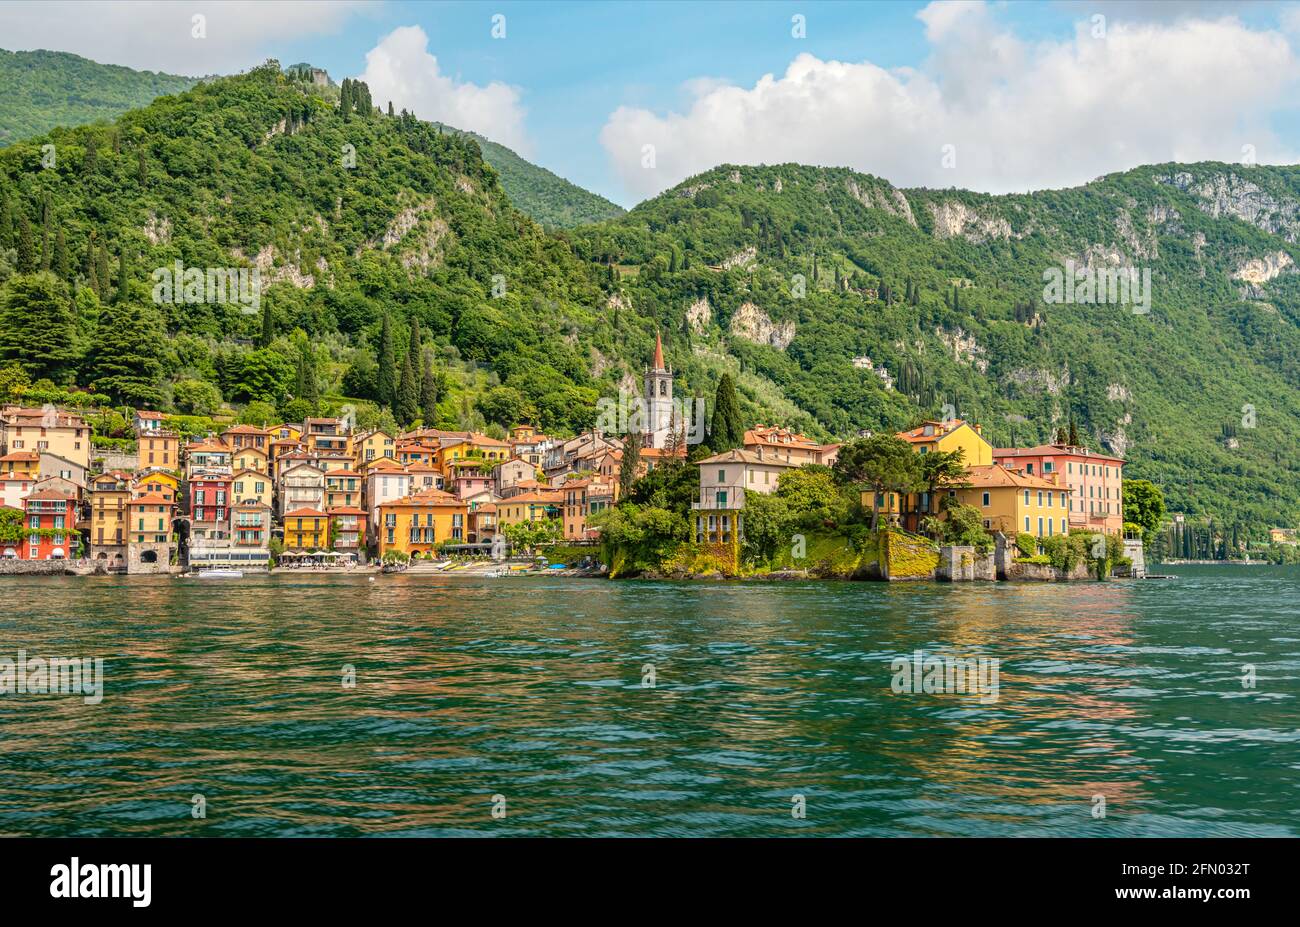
50 517
1096 481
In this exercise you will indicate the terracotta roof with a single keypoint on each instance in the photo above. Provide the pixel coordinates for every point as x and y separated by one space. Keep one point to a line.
346 510
425 497
995 475
306 513
1054 450
245 430
550 496
741 456
208 446
917 435
783 437
344 472
152 498
21 455
25 417
50 494
145 413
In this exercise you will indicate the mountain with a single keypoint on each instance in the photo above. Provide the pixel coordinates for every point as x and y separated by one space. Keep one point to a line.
44 89
847 303
359 225
547 197
837 301
47 89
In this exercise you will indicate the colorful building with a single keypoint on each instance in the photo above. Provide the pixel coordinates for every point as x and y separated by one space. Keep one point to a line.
1014 502
794 447
109 494
50 518
582 499
251 486
1095 480
157 448
48 429
149 539
418 523
538 505
306 529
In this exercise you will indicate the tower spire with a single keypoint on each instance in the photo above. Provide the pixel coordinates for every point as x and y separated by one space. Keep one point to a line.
659 351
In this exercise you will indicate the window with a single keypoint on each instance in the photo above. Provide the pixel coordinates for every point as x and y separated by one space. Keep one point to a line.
1029 467
1026 500
1026 523
985 503
1047 466
722 476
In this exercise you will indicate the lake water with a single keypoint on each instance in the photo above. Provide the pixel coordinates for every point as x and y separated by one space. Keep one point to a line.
530 690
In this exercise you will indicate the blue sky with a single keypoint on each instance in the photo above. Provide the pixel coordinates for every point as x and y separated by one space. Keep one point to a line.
995 96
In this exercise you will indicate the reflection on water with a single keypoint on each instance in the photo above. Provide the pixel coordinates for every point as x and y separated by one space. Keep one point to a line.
531 688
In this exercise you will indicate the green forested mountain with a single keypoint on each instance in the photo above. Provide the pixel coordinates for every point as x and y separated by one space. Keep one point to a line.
547 197
942 293
836 301
44 89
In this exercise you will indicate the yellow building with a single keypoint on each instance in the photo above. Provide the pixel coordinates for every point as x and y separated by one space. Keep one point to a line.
158 449
342 489
251 485
490 450
373 445
419 523
306 529
952 435
156 482
1016 503
530 506
110 494
249 458
22 463
45 430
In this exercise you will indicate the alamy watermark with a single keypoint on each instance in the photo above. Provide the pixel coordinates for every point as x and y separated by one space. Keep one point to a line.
56 676
192 285
1088 286
934 675
628 415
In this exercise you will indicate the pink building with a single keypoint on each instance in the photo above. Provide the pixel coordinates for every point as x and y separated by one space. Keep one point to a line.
1096 481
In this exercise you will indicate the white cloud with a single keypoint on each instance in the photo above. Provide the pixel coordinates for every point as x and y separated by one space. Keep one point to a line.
159 36
1021 115
401 69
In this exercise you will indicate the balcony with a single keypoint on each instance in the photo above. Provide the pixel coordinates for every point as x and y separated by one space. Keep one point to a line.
725 497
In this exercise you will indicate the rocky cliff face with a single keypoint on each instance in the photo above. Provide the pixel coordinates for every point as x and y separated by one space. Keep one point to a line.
1230 194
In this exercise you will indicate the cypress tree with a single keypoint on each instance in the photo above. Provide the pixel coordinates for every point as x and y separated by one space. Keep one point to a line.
408 394
101 271
92 272
413 349
387 365
268 327
629 464
726 430
46 250
1074 432
26 248
429 392
120 295
390 107
61 266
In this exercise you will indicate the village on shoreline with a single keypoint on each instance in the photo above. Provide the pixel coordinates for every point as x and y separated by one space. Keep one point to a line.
322 495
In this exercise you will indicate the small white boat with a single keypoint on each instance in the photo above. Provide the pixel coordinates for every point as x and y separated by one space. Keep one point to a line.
220 574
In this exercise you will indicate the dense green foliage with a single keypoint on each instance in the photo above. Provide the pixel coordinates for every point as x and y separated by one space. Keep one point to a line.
835 302
357 258
44 89
535 191
944 290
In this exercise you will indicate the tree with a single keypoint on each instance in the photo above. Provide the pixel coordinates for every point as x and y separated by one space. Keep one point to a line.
429 392
529 535
258 413
630 463
882 462
941 470
61 265
726 430
124 359
408 394
1144 505
268 327
26 247
37 327
810 493
505 405
263 374
388 370
1074 433
197 397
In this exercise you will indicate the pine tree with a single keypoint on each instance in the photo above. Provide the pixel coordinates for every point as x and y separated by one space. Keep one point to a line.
123 361
1074 432
37 326
92 271
390 107
387 365
26 248
47 255
726 431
